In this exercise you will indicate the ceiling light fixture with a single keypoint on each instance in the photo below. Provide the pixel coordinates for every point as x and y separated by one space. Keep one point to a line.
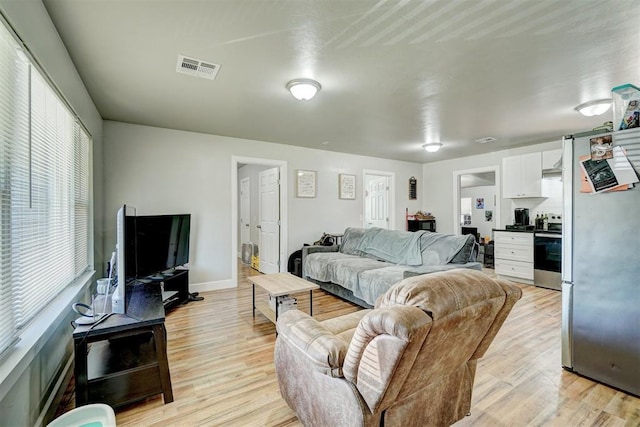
303 89
432 147
594 108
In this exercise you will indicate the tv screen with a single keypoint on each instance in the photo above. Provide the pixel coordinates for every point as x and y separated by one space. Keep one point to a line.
130 266
162 243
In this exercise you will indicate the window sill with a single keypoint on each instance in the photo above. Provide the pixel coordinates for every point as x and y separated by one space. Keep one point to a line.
35 335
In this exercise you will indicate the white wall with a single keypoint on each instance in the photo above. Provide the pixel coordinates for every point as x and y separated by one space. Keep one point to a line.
437 192
164 171
486 192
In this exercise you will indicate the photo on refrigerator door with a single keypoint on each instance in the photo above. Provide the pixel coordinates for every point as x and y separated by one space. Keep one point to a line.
601 147
600 174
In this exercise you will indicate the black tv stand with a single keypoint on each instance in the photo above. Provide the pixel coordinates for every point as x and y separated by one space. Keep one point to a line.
175 288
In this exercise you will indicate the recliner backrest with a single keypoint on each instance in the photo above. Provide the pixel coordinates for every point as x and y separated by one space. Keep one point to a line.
466 310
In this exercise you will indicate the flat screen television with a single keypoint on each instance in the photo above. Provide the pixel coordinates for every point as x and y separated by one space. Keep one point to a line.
125 247
161 243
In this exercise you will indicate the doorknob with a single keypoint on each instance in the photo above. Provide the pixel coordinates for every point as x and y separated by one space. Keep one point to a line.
259 226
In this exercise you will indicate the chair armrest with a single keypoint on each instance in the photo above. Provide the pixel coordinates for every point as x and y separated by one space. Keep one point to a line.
302 332
384 346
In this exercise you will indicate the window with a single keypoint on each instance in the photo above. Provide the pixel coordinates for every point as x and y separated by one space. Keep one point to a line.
465 211
44 192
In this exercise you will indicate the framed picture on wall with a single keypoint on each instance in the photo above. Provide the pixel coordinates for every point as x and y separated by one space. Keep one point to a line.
480 203
347 186
305 183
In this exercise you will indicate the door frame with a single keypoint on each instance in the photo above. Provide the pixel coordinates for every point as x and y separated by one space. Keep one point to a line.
456 194
392 195
247 179
282 165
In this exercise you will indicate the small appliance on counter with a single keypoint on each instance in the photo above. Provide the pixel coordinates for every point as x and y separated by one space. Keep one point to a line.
521 216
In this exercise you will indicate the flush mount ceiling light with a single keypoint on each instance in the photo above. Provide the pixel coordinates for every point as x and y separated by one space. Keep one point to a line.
594 108
432 147
303 89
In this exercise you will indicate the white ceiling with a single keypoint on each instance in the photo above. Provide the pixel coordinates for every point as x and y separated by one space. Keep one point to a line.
394 74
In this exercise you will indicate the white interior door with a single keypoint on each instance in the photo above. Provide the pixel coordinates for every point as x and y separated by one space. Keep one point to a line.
377 203
245 210
269 218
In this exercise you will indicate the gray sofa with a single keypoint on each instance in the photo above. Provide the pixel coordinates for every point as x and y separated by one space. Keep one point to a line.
369 261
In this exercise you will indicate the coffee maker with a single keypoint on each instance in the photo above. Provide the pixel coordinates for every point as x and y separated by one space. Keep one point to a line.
521 216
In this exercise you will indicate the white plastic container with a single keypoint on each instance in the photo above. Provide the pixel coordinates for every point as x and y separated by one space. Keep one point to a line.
103 286
626 107
94 415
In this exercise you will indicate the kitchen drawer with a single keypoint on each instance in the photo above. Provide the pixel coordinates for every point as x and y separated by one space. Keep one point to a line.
514 252
513 238
519 269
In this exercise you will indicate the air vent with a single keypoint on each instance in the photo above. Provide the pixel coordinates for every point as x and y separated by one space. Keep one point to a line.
197 68
485 140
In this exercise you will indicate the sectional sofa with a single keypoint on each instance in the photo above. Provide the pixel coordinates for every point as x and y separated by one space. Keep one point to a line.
369 261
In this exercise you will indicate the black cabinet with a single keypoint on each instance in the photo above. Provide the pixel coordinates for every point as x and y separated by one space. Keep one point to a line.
123 358
175 287
421 224
488 255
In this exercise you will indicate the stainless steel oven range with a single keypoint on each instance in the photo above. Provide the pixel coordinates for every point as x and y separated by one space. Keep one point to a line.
547 259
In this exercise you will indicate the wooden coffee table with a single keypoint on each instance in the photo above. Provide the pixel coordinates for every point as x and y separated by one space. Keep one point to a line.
277 285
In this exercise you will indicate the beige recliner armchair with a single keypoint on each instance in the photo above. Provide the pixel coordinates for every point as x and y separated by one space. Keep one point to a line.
410 361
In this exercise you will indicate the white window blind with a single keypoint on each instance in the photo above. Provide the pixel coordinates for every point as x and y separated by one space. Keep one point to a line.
14 126
44 179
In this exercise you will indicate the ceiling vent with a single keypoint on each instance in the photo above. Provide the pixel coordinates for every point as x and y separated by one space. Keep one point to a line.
197 68
485 140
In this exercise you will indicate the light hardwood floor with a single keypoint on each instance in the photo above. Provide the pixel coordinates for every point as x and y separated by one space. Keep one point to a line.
221 362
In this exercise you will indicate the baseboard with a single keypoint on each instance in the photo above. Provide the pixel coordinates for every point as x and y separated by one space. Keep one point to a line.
211 286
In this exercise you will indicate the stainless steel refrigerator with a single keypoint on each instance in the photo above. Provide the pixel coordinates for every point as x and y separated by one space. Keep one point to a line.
601 271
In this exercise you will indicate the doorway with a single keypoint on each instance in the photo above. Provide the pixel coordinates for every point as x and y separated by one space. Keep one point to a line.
269 220
378 199
245 210
274 174
476 200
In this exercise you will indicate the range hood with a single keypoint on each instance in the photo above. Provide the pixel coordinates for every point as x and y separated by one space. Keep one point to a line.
555 171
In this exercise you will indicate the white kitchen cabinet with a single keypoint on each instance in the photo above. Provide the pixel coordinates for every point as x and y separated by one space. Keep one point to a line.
513 255
522 176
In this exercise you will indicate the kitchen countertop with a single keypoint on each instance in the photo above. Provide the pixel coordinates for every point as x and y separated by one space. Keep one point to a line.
537 231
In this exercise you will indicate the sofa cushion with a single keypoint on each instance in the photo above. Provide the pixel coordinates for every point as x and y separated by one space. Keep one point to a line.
440 249
373 283
464 254
398 247
345 271
350 241
316 265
